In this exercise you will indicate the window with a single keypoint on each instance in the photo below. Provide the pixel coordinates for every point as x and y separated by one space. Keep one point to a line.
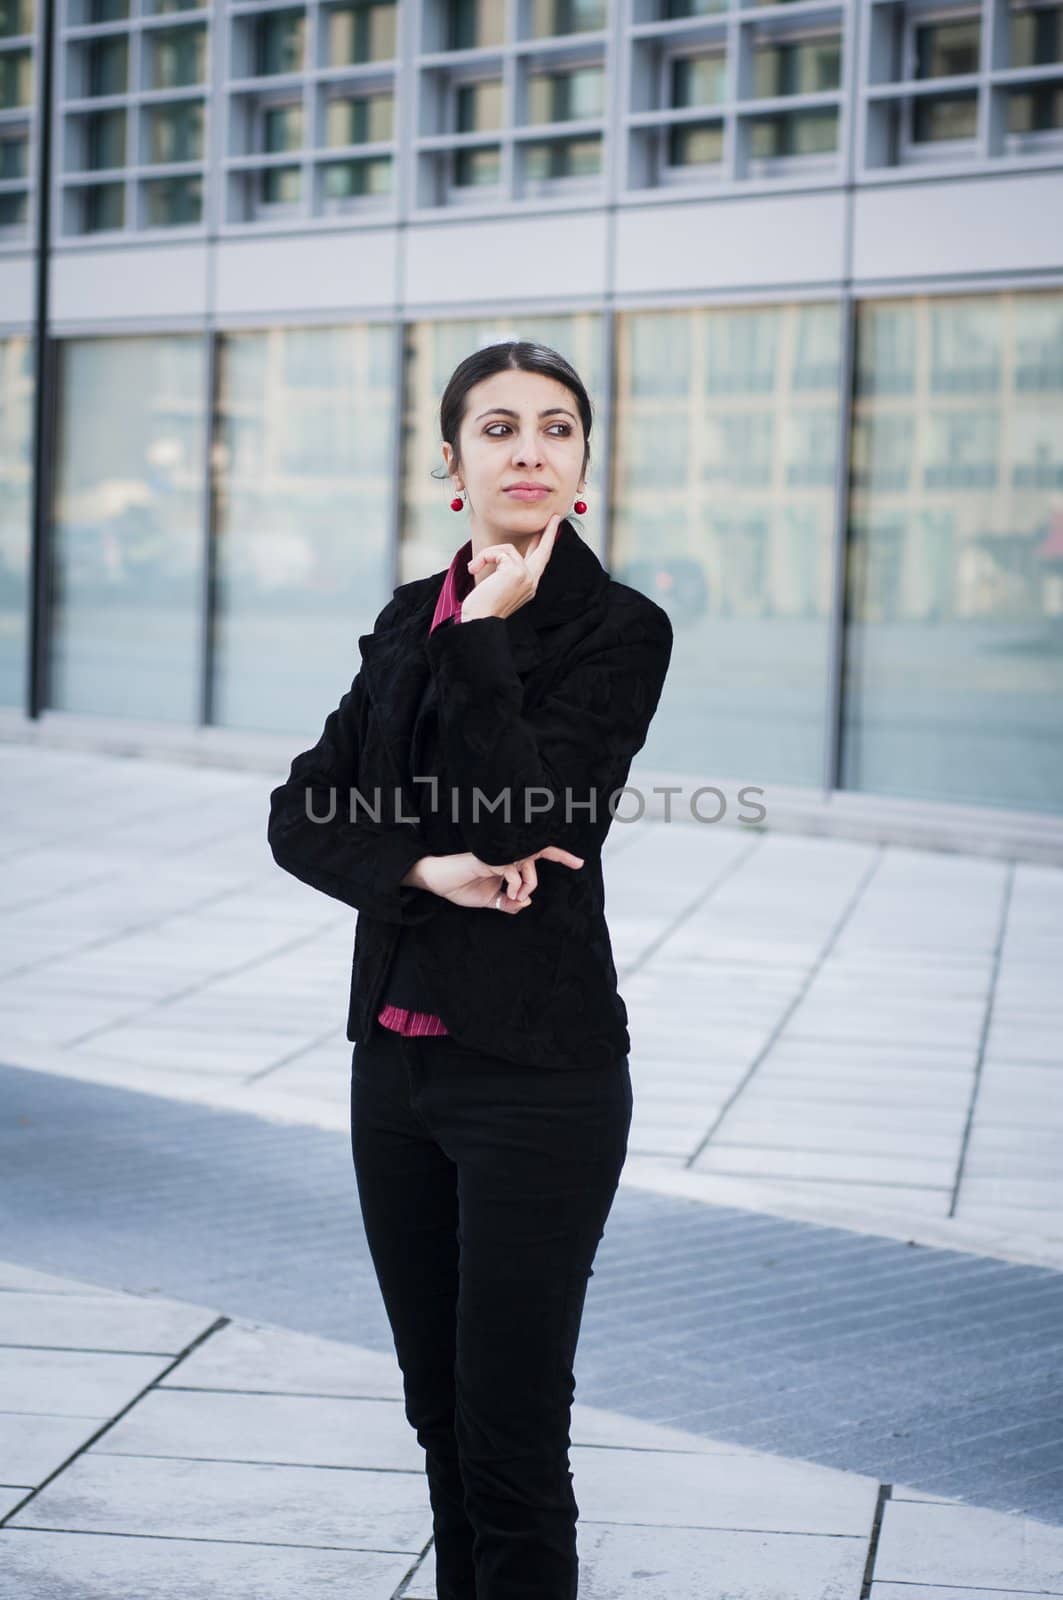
947 49
279 43
108 66
478 106
282 127
565 96
945 116
360 33
550 18
359 119
175 132
105 139
805 66
954 570
477 167
1036 37
470 24
173 202
699 80
177 57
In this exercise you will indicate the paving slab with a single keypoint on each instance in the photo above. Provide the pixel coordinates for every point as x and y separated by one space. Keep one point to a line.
32 1446
64 1566
73 1383
967 1546
94 1322
240 1501
307 1430
751 1490
246 1357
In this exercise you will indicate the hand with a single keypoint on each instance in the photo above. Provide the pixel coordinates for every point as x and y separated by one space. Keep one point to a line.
467 881
515 577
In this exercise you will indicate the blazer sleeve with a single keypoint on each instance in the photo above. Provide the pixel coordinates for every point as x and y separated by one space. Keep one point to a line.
360 862
578 744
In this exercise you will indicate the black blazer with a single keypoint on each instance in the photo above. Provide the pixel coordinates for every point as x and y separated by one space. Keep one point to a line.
550 704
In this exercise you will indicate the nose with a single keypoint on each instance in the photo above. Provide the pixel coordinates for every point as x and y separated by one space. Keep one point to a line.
526 450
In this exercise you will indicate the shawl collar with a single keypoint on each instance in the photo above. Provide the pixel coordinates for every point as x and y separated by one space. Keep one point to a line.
394 665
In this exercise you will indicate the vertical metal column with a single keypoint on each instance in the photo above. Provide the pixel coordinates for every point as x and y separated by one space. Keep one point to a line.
854 130
209 588
44 359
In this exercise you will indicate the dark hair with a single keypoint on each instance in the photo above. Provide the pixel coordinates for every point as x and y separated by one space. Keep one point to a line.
523 355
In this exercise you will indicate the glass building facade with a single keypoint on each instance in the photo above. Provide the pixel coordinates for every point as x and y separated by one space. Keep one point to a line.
806 256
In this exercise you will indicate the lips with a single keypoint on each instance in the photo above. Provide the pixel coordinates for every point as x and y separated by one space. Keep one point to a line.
527 494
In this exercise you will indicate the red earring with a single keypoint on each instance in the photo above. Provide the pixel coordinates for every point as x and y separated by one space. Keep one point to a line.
457 503
580 507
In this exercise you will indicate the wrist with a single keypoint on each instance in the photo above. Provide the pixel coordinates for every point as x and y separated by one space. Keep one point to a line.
416 878
471 612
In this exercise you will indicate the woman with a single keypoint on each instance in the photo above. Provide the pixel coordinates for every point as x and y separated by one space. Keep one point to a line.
458 798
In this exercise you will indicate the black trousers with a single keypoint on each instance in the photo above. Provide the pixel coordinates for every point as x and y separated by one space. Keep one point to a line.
485 1188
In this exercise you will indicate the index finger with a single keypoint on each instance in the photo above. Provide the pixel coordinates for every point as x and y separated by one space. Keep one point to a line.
540 552
555 852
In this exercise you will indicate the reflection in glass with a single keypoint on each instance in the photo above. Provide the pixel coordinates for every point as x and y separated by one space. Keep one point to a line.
724 484
1037 109
175 132
280 186
478 106
944 116
282 127
173 202
692 144
17 17
550 18
673 10
803 66
955 642
278 42
14 209
793 133
565 96
1036 36
473 22
357 34
103 207
105 139
14 153
349 180
178 57
548 159
947 49
16 509
303 479
698 80
16 79
431 532
359 119
107 66
127 527
476 167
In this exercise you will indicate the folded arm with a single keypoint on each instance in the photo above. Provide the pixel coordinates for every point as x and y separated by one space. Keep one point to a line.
361 862
578 742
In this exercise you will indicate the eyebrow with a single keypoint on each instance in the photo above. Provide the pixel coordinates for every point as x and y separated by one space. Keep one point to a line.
504 411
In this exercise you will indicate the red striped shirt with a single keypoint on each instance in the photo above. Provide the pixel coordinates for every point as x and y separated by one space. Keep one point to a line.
456 586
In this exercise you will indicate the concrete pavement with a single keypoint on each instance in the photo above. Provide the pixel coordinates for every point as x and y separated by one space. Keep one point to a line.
829 1031
155 1448
832 1030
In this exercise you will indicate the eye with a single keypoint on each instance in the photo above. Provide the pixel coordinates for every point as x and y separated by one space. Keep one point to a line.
491 425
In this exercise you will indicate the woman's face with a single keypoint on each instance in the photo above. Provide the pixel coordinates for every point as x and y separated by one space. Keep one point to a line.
518 427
